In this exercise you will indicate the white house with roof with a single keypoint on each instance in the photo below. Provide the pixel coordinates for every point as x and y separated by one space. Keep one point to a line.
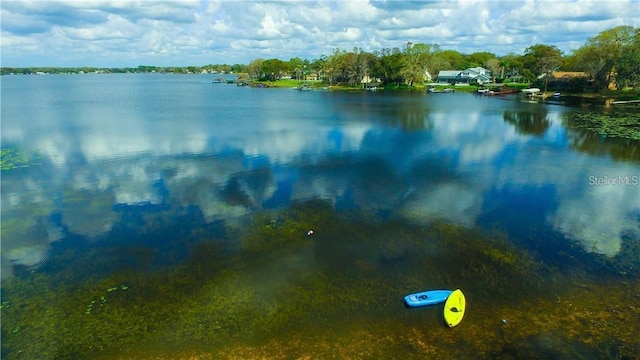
472 75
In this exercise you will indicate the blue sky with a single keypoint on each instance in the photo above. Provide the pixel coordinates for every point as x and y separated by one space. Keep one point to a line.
180 33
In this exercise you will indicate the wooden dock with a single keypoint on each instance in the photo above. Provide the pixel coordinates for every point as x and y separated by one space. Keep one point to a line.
626 102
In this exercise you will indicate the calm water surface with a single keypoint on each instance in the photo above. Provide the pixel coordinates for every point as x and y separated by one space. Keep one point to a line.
125 177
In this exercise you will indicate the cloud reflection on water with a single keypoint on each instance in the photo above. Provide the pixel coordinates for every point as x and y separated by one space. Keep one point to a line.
422 166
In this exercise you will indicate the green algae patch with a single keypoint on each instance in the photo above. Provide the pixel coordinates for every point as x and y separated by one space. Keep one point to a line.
12 158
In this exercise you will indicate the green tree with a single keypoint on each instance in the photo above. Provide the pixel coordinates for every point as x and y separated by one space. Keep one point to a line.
389 67
273 69
297 63
224 68
543 60
438 62
255 69
145 68
319 65
478 59
415 60
571 62
455 60
333 66
239 68
349 68
298 66
628 67
193 69
365 63
609 52
512 64
495 66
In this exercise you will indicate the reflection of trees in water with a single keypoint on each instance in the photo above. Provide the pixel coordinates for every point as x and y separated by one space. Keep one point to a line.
407 112
593 143
412 119
249 188
368 182
585 133
528 123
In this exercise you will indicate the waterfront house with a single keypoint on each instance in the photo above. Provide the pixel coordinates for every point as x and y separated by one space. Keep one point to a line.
369 82
472 75
569 80
312 76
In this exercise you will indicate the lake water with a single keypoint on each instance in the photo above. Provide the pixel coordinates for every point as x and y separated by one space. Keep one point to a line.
166 215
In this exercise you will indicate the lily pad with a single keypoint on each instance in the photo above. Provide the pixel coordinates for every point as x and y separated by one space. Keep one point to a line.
626 126
12 158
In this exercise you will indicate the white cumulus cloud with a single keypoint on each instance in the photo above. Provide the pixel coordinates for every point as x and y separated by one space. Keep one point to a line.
130 33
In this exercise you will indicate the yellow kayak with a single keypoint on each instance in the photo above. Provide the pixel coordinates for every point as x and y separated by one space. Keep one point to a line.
454 308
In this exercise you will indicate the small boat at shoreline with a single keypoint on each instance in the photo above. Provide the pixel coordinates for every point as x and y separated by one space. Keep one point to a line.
530 91
501 91
435 91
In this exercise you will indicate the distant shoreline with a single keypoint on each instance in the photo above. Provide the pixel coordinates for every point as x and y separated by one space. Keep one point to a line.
618 95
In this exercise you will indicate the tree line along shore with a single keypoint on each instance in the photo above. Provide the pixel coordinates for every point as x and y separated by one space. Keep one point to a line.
608 62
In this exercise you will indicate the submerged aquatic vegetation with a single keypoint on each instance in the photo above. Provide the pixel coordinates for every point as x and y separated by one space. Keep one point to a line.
289 227
495 265
284 294
625 263
623 125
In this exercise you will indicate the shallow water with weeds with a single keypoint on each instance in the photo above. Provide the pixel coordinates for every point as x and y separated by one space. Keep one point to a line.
200 221
335 294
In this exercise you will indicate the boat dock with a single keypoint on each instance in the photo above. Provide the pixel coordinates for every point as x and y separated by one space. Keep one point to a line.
626 102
